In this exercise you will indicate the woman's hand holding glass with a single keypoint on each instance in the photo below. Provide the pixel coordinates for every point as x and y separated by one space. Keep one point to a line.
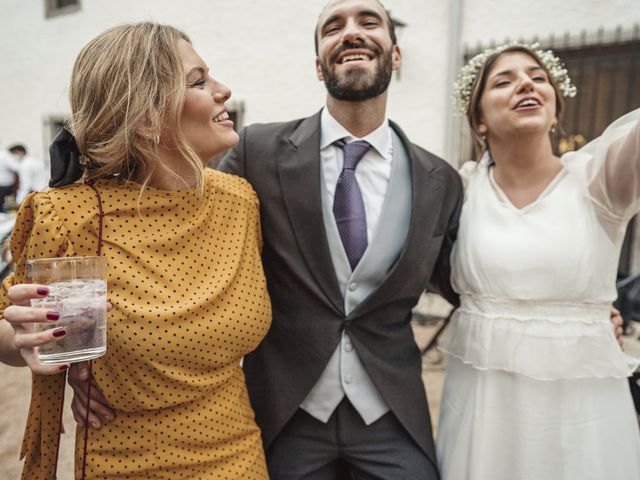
22 318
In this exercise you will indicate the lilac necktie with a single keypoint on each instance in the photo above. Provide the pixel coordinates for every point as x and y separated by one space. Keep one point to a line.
348 206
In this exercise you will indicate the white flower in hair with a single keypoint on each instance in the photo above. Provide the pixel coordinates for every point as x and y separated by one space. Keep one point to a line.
463 86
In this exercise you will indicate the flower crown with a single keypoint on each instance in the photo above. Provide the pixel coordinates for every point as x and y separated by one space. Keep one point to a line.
463 86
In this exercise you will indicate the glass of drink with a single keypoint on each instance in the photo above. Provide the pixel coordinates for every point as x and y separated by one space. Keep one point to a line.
78 292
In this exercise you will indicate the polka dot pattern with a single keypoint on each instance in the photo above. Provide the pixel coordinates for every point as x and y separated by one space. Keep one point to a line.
189 300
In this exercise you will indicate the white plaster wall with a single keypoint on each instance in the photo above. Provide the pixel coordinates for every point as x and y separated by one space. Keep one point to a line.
263 49
418 101
486 20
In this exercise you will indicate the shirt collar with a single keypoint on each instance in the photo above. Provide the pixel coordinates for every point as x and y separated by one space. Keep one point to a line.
331 131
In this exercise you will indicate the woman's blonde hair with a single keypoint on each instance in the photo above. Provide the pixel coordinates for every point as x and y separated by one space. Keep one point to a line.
128 87
474 112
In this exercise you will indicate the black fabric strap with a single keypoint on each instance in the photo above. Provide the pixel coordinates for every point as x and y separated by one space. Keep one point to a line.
65 160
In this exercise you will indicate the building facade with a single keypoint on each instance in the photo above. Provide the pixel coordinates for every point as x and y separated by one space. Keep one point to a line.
263 49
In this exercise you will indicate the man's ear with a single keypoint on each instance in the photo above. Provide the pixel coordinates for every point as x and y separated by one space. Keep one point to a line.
396 58
319 70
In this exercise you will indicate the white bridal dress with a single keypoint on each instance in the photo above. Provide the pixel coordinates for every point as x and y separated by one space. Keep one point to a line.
536 386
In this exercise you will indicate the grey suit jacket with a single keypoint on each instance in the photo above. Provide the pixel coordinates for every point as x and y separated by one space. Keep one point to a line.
282 163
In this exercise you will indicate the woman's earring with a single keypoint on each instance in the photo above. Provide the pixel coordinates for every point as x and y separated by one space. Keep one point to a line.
553 129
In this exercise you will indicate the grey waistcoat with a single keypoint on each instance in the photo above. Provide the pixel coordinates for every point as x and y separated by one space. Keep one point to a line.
344 374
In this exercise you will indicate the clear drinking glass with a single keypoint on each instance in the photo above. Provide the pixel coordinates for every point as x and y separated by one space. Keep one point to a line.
78 292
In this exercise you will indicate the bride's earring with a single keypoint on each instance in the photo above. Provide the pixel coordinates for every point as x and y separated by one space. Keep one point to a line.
482 135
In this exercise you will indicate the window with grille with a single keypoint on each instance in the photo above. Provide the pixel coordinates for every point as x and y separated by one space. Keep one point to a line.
53 8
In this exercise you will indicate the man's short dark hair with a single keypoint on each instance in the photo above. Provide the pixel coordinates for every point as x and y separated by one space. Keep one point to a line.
390 25
18 148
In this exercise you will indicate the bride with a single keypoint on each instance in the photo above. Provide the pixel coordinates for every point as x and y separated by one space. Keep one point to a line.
536 384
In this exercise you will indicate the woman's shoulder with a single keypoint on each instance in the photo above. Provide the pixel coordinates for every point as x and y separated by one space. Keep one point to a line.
68 193
468 171
230 184
70 200
41 227
468 168
44 202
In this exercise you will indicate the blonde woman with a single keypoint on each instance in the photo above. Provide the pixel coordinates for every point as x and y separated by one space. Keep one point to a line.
184 272
536 384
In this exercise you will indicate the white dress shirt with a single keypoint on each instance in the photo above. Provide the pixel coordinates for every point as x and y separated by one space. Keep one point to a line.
33 177
373 170
8 168
345 374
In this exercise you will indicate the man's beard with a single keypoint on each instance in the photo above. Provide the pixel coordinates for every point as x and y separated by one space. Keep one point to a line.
357 86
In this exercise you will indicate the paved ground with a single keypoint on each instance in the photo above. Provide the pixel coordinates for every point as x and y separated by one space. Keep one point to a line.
14 404
15 388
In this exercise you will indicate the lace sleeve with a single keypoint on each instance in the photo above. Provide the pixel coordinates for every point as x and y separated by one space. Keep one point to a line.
610 165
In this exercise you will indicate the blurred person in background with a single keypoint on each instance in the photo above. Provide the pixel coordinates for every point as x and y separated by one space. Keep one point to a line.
8 175
32 176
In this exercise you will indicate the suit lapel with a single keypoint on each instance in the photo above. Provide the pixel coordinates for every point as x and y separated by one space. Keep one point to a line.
426 203
299 174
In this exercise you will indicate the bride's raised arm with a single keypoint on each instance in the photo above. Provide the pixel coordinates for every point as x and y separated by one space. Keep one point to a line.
611 164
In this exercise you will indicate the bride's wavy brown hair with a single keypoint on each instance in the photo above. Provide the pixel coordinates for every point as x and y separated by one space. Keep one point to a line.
127 88
474 112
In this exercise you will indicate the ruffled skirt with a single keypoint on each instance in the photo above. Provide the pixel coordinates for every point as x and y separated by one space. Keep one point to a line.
536 392
496 425
541 340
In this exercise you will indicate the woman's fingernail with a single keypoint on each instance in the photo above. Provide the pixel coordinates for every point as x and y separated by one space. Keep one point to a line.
43 291
59 332
95 424
63 367
53 315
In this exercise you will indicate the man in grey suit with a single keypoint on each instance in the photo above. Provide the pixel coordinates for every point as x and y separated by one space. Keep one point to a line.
357 222
353 233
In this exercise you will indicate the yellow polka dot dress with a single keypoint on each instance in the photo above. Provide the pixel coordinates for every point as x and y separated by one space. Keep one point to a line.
189 300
